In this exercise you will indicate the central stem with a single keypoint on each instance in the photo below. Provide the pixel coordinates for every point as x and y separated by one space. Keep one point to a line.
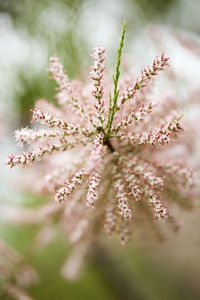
106 140
113 102
109 145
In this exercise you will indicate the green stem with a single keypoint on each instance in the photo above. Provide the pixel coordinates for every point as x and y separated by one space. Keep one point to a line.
115 81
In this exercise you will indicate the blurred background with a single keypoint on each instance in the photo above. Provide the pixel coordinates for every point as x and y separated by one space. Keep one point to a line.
30 32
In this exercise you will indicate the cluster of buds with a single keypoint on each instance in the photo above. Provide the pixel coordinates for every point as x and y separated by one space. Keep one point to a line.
53 122
97 76
134 116
160 210
123 201
26 158
93 184
59 75
66 95
157 136
158 65
69 186
28 136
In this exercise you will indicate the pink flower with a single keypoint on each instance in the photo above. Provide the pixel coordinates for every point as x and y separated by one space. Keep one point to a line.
119 158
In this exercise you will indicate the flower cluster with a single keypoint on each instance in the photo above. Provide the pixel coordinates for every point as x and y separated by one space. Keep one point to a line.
53 122
119 161
145 77
29 136
96 76
134 116
28 157
93 185
157 136
64 193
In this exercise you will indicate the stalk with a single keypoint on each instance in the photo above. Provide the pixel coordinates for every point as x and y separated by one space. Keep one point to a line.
115 81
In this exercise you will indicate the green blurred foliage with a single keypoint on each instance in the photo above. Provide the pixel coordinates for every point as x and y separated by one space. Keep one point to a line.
31 90
155 8
67 43
48 262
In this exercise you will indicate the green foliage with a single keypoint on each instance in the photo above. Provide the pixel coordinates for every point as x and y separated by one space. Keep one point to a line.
37 21
155 8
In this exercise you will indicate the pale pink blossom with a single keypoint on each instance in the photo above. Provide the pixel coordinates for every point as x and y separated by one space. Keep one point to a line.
145 77
134 116
121 159
28 136
110 220
51 121
97 76
93 186
122 199
69 186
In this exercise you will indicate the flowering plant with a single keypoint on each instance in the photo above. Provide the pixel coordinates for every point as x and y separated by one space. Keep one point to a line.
111 153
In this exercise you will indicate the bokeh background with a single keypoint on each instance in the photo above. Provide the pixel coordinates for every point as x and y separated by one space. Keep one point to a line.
30 32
